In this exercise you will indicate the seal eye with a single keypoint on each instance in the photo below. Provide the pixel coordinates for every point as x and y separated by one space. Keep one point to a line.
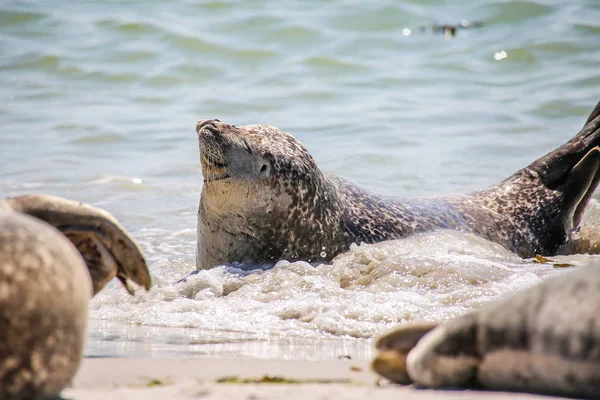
263 169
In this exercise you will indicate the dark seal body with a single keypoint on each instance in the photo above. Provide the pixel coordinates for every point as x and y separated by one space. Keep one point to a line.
545 339
264 199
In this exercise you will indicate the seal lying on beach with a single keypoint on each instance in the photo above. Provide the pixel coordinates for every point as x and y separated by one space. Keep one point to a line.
545 339
264 199
45 244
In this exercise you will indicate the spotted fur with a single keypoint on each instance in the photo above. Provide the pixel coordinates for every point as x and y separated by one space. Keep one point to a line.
264 199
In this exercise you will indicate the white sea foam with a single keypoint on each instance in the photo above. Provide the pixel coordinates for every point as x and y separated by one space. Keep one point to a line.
364 292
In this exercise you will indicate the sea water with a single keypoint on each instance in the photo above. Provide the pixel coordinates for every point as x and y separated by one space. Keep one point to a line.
98 102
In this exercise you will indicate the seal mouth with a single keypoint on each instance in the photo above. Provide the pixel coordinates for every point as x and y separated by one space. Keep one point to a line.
212 160
216 178
213 170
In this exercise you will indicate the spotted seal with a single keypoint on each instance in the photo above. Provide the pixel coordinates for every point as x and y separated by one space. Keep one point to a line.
544 340
264 199
45 244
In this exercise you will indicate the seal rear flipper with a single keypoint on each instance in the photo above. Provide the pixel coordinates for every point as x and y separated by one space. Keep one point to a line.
101 264
573 194
593 115
104 244
554 167
580 185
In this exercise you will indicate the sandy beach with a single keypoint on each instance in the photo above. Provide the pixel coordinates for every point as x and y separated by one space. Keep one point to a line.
127 378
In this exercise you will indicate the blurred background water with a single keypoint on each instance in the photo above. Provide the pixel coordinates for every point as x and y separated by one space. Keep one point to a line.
98 102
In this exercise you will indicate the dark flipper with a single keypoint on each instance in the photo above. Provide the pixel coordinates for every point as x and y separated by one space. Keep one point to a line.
594 184
554 167
581 183
404 338
593 115
104 244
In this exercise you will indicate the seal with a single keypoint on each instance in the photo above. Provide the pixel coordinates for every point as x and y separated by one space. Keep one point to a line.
544 339
264 199
47 245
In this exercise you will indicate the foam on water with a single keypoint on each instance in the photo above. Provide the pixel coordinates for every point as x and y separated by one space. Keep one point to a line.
370 289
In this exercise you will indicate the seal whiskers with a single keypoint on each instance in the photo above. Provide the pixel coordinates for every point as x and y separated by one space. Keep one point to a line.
264 199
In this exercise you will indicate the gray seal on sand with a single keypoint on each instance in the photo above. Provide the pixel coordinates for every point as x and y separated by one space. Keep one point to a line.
50 247
545 339
264 199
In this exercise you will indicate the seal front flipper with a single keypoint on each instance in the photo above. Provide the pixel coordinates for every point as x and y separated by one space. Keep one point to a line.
430 355
103 243
447 356
393 348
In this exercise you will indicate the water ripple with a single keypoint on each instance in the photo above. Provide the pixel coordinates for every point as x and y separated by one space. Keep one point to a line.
99 100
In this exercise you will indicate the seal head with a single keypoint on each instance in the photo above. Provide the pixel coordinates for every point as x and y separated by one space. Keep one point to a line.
263 195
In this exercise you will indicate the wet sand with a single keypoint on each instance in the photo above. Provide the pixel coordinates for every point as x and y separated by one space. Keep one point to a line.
127 378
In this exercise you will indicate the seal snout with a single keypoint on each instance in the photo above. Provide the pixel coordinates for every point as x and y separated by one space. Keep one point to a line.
207 124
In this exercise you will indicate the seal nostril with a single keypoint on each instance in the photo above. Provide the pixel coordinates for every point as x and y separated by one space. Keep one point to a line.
204 122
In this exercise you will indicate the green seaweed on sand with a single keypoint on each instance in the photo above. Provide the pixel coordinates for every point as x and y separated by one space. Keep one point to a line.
277 380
